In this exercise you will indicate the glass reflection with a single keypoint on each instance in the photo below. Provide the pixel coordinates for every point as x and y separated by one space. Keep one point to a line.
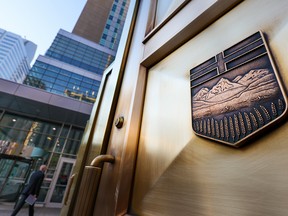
165 8
15 121
13 175
61 183
59 144
53 162
41 142
72 146
76 133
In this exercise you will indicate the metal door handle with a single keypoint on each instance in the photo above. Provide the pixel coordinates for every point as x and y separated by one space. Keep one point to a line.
89 185
97 162
69 188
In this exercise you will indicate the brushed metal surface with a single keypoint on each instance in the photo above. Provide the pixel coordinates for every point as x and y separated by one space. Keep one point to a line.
178 173
88 191
185 24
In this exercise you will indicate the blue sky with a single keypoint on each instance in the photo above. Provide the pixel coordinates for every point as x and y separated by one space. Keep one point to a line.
39 20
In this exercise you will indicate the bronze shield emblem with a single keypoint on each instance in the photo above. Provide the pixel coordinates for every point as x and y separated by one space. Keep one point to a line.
236 93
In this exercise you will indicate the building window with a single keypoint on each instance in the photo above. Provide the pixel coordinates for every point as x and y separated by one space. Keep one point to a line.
114 7
160 10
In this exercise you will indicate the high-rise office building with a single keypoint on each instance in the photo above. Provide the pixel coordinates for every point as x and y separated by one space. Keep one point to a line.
102 22
92 20
16 54
74 63
39 126
72 66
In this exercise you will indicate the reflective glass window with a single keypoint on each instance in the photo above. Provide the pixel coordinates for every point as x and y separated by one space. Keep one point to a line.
165 8
43 141
64 131
38 70
46 128
60 144
41 64
72 146
35 74
59 88
53 164
75 82
53 68
51 74
11 140
16 122
48 79
76 133
61 82
65 72
87 80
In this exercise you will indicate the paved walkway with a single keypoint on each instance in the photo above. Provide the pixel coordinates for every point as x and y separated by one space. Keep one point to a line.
7 208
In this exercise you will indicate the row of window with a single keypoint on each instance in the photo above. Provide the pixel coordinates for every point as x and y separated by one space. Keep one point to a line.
99 69
56 80
22 135
38 126
71 51
54 71
68 43
58 87
96 61
79 55
114 27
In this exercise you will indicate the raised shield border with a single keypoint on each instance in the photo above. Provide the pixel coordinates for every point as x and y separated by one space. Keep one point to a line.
237 93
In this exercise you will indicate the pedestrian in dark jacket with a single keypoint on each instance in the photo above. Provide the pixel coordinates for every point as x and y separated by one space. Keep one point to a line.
32 188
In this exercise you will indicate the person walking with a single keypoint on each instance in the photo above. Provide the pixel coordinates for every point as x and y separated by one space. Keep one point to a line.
32 188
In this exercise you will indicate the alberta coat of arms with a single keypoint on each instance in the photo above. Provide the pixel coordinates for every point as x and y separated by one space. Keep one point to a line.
236 93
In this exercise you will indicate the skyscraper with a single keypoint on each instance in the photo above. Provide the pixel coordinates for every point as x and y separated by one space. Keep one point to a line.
102 22
16 54
74 63
92 20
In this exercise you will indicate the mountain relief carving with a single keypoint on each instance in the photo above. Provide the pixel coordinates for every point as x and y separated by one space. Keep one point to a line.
226 96
236 93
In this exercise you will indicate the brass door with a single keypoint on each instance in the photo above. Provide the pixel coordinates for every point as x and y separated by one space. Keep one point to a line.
179 173
161 167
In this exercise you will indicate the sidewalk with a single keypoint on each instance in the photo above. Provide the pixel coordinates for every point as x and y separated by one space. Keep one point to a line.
7 208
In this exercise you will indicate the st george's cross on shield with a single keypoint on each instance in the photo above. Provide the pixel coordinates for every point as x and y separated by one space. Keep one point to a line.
237 93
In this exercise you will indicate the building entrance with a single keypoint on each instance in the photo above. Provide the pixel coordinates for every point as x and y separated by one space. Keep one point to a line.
13 173
58 186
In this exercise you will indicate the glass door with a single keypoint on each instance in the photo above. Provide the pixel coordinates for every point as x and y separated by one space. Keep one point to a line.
59 184
13 173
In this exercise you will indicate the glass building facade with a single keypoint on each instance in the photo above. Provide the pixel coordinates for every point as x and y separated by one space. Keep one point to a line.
72 66
59 80
114 25
79 54
25 144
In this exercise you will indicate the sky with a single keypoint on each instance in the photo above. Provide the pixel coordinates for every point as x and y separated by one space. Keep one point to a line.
39 20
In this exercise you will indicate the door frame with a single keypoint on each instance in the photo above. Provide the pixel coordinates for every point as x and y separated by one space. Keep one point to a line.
54 181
